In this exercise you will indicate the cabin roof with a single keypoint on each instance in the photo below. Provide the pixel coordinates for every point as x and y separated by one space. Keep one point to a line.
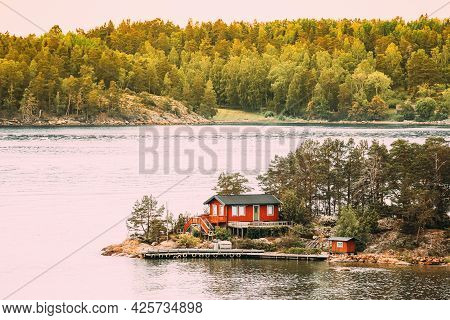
345 239
244 199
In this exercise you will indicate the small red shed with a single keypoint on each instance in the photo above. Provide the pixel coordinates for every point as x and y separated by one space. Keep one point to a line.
343 245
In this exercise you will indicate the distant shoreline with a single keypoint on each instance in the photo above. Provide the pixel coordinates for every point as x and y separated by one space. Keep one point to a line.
227 116
346 122
53 123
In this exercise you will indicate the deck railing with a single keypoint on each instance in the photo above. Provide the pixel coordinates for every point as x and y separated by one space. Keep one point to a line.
216 219
204 224
241 224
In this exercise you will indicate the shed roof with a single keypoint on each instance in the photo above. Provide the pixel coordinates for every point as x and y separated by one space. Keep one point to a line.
345 239
244 199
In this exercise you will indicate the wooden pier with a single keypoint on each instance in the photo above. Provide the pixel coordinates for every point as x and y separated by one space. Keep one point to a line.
227 254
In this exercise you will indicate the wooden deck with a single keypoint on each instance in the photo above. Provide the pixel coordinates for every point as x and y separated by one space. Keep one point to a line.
259 224
227 254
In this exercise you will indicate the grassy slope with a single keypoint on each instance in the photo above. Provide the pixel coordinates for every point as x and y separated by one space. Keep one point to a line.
233 115
225 115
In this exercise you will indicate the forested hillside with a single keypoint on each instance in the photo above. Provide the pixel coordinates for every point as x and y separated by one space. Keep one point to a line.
322 69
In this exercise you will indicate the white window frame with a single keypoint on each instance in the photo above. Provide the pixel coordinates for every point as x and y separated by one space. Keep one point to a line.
241 211
339 244
214 210
271 212
221 210
234 211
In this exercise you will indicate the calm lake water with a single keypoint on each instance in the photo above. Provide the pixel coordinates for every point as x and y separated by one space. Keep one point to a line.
65 191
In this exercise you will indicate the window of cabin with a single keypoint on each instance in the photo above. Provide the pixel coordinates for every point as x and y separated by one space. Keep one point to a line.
234 211
221 210
241 211
214 210
339 244
270 210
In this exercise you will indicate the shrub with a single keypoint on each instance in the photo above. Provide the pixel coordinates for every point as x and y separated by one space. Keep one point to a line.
302 231
301 250
256 233
407 242
393 102
196 232
290 242
377 109
147 99
425 108
281 117
336 116
187 240
327 221
222 233
441 112
368 222
167 106
254 244
269 114
176 112
407 111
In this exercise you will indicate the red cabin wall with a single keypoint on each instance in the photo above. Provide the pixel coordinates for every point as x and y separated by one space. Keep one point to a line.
248 213
351 246
348 247
217 218
228 213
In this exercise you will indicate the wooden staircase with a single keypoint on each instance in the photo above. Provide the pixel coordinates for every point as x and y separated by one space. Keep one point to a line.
316 244
205 226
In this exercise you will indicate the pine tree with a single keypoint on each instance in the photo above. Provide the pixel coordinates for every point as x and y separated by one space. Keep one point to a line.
347 224
208 106
421 69
28 105
145 221
232 183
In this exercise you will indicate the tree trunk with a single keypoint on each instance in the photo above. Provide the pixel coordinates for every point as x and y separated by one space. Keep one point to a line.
68 105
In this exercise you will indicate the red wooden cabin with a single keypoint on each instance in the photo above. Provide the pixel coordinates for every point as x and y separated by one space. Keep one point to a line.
245 208
343 245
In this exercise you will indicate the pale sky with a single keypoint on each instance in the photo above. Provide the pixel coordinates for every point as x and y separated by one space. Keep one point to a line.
86 14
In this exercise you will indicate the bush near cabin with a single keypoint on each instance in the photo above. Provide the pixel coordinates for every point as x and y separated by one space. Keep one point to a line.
253 244
222 233
276 231
186 240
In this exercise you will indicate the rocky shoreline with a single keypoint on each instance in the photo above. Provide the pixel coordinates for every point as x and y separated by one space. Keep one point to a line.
373 258
187 119
109 122
135 249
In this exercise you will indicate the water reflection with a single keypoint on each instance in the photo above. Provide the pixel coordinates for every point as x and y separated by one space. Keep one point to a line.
268 279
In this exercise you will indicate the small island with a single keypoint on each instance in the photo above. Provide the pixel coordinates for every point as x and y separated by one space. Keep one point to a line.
391 204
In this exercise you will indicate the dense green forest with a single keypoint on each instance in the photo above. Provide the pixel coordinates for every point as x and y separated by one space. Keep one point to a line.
327 69
409 181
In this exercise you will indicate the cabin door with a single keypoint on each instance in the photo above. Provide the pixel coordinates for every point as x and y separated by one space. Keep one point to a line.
255 213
